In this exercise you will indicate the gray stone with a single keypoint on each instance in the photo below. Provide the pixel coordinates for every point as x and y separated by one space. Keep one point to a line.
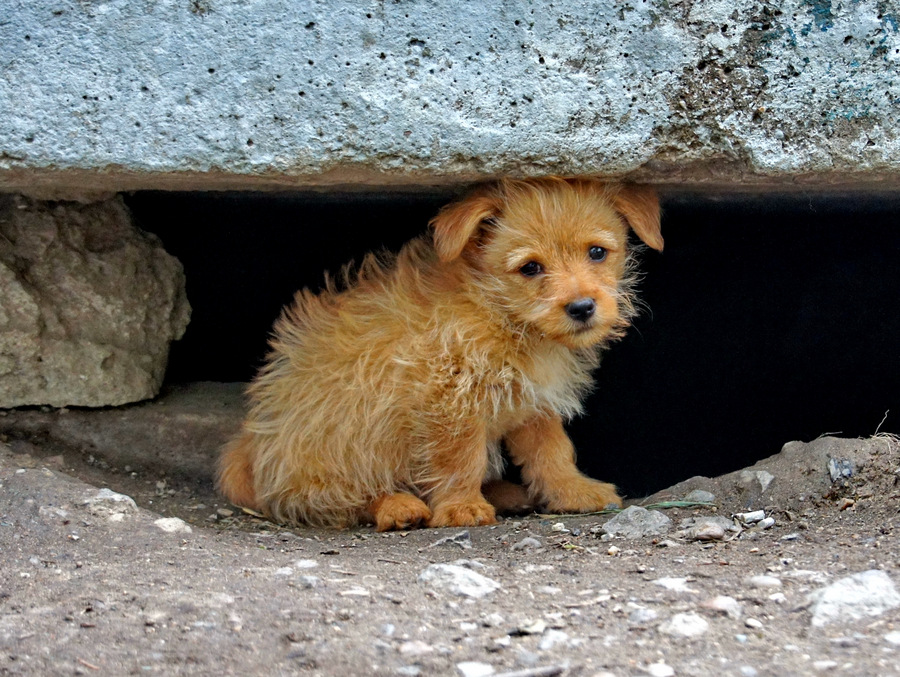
274 94
712 528
869 593
840 469
88 305
637 522
699 496
458 580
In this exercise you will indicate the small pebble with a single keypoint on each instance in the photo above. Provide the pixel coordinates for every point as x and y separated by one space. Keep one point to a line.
552 638
309 582
764 582
613 551
559 527
493 620
699 496
893 638
642 616
224 513
660 670
766 523
173 525
532 627
846 503
415 648
474 669
674 584
751 517
748 671
527 543
726 605
753 623
685 625
824 666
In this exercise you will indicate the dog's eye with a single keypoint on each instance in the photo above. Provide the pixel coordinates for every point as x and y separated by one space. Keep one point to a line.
597 253
531 269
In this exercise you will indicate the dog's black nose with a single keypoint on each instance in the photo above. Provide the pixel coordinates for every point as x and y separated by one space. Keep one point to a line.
581 309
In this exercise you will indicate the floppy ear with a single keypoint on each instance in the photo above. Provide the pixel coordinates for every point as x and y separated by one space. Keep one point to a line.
457 223
640 207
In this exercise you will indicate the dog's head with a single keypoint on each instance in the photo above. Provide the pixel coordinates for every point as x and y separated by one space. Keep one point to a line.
552 254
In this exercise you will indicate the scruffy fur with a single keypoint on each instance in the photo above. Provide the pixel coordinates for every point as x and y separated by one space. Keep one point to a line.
387 400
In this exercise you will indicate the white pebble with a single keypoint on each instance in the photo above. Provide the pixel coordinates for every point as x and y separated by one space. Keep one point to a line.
764 582
173 525
533 627
726 605
552 638
685 625
494 620
559 527
660 670
306 564
751 517
415 648
753 623
824 666
766 523
474 669
674 584
893 638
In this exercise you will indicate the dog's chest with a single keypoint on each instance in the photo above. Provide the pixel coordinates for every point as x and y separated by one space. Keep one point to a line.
555 380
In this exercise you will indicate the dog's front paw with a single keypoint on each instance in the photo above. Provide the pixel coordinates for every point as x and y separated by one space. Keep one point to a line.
471 514
398 511
584 495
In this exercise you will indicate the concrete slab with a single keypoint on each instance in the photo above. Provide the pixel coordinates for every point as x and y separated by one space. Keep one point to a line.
176 94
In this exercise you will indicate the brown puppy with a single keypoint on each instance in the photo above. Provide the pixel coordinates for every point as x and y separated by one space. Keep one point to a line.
388 401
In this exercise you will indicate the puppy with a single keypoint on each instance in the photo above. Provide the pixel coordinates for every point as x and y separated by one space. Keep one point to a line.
388 400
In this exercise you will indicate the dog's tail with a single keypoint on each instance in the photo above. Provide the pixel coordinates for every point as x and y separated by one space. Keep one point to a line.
235 475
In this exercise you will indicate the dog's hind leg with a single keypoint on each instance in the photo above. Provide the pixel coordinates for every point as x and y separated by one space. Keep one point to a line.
507 497
235 476
398 511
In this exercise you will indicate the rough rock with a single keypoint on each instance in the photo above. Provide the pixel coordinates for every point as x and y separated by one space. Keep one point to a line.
637 522
458 580
808 465
121 95
869 593
194 422
88 305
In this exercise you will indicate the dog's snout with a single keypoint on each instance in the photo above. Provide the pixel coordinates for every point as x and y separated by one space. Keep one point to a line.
581 309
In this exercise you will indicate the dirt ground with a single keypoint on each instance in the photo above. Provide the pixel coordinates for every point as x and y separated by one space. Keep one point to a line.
176 582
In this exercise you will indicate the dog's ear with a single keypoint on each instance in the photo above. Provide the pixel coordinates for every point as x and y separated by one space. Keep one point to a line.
640 207
457 223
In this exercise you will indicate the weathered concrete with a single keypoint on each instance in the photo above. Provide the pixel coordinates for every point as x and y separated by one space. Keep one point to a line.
113 95
88 305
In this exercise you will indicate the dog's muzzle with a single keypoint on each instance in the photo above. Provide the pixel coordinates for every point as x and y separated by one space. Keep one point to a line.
581 310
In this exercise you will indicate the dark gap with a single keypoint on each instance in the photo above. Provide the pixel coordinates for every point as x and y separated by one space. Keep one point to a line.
772 318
